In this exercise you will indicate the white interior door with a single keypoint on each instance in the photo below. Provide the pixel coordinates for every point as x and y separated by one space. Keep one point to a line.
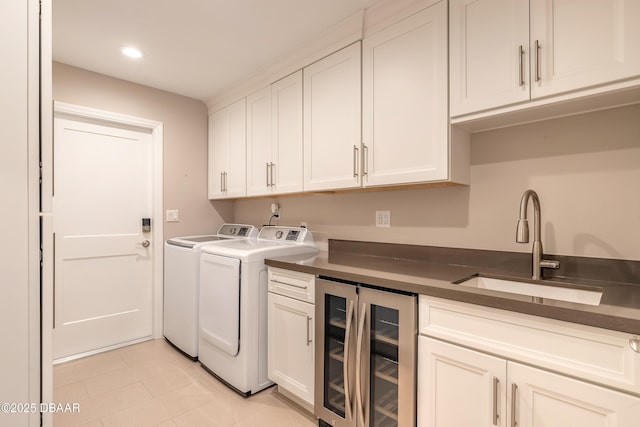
103 273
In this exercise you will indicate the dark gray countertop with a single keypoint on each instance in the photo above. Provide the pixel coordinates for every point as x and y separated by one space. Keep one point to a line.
619 308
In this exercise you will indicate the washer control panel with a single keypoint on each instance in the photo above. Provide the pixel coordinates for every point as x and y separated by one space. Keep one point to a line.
237 230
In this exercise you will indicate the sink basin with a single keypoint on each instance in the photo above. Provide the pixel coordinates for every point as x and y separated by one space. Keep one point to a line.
555 290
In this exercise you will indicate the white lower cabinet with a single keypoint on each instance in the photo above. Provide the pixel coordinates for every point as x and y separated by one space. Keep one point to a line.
459 387
489 385
291 349
540 398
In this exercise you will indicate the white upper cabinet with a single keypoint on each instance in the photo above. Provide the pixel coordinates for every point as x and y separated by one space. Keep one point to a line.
332 121
506 52
581 44
286 134
274 138
259 142
227 152
489 54
405 113
217 153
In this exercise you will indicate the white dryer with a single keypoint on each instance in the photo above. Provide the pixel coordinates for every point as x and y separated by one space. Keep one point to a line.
181 265
233 304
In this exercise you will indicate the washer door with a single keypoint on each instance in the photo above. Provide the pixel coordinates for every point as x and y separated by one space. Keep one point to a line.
220 302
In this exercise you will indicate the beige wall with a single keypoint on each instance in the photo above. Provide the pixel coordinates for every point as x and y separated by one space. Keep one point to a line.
586 170
185 140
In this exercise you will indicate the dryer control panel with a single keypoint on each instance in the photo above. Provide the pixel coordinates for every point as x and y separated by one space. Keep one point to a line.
285 234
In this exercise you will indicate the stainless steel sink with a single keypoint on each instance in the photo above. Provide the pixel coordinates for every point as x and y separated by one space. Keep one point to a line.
550 290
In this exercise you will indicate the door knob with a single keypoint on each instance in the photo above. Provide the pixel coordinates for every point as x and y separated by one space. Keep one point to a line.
145 243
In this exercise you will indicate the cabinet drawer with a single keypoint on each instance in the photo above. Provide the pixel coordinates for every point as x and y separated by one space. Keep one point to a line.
594 354
294 284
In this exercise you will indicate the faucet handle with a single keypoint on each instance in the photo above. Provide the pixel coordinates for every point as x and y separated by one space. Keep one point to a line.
549 263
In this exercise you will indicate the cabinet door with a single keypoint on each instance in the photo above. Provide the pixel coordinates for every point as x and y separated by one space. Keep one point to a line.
551 400
489 54
458 387
286 125
236 179
227 151
291 345
332 121
259 142
583 43
405 116
218 152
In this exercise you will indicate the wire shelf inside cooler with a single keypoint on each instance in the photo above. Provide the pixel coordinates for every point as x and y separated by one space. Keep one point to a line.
386 369
336 350
387 404
386 331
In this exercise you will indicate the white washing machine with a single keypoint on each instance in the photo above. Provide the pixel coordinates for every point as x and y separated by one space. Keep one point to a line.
233 304
181 265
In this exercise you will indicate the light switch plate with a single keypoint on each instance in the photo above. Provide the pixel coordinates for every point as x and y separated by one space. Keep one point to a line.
173 215
383 219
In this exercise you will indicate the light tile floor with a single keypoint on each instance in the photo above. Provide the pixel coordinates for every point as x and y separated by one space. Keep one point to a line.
151 384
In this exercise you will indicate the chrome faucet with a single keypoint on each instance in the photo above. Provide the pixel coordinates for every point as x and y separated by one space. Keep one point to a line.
522 234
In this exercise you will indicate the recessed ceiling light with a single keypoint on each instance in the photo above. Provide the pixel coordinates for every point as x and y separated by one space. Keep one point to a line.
131 52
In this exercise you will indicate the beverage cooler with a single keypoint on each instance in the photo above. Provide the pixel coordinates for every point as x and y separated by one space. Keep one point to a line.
365 371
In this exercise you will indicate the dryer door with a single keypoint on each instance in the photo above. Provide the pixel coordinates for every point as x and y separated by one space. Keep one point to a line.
220 302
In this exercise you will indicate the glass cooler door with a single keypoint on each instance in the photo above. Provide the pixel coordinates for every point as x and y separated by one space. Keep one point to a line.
388 359
384 367
335 309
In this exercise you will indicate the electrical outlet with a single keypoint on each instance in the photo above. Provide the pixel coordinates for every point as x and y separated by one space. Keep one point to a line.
173 215
383 219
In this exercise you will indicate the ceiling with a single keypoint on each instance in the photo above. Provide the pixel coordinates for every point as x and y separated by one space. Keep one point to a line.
196 48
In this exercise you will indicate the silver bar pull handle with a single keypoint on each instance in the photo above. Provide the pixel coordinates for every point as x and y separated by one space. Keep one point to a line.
634 344
309 340
365 160
538 48
222 182
268 175
521 58
514 392
355 161
496 382
226 188
361 410
345 363
273 182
